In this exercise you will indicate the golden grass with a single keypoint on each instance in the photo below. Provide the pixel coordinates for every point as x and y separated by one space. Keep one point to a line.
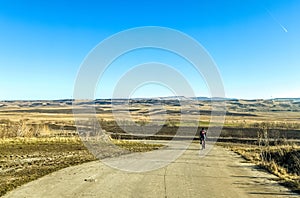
273 159
136 146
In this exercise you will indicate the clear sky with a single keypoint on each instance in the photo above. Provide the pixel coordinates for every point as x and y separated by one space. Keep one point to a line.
255 44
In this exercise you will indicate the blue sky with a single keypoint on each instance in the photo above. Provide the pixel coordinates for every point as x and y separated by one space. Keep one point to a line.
255 44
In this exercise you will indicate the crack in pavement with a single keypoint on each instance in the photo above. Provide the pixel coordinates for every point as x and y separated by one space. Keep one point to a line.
165 183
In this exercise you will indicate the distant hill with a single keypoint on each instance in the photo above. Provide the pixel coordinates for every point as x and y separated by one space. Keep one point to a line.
287 99
232 104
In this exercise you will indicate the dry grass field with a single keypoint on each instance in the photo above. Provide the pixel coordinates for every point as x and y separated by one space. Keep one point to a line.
39 137
26 159
280 160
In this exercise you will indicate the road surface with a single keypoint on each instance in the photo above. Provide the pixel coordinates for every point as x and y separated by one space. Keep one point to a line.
221 173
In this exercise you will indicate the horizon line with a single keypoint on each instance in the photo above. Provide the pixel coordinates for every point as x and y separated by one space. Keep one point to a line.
140 98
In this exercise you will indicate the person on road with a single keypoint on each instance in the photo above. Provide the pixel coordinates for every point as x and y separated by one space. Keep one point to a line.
202 138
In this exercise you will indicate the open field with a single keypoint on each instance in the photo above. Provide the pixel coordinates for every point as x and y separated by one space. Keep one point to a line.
39 137
26 159
236 109
56 117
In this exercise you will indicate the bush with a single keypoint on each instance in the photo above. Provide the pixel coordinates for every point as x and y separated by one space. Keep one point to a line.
21 128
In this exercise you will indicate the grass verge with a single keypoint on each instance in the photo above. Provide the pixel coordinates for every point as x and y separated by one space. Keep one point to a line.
281 160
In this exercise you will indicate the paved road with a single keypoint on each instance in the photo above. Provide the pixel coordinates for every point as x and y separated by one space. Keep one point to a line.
220 173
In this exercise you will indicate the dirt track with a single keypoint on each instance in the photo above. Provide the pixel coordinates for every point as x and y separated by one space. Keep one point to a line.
220 173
